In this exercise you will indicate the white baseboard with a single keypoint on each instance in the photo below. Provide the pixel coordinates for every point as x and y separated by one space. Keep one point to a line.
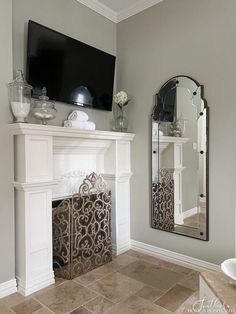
120 248
174 257
190 212
36 284
179 219
7 288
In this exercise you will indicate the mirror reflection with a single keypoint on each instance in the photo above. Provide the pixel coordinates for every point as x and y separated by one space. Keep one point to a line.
180 159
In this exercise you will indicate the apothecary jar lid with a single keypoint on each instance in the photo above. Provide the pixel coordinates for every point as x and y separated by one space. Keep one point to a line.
43 101
19 81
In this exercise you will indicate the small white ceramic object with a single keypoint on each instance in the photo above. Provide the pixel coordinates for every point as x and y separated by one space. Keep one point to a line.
229 268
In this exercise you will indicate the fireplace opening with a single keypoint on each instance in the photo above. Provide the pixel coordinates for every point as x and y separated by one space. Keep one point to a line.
81 223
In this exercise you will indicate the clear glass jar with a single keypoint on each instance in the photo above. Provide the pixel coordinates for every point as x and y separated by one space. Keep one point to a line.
43 108
19 94
178 127
121 122
164 127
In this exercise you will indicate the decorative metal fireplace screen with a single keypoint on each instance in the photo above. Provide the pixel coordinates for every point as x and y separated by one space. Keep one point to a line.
163 201
82 229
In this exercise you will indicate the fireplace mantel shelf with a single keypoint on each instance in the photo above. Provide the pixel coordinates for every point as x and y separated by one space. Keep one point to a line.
170 139
59 131
49 162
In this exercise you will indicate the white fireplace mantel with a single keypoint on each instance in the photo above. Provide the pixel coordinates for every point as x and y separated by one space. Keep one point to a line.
42 155
58 131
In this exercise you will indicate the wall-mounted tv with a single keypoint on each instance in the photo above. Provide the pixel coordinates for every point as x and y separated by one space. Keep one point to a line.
73 72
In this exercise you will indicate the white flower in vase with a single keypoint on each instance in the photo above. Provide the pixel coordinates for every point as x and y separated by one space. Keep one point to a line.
121 100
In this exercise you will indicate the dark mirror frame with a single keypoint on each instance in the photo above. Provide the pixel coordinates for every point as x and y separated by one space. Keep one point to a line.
207 157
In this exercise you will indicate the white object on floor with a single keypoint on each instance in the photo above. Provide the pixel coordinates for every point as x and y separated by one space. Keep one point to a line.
229 268
78 115
81 125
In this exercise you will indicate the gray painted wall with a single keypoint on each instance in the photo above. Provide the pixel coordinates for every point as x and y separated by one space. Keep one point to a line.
174 37
195 38
7 269
70 18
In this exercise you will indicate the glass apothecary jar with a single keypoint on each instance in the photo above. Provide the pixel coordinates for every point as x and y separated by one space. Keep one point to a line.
44 109
178 127
19 94
121 122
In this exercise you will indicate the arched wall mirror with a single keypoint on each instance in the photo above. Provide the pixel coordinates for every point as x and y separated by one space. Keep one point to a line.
180 159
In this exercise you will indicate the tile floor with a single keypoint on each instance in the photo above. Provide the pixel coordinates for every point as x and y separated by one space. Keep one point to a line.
133 283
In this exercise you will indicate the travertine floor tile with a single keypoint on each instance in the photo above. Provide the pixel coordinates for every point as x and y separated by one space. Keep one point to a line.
151 274
98 273
43 310
66 297
133 283
58 282
98 305
123 260
160 262
174 267
4 309
80 310
136 305
27 307
191 281
13 299
116 287
149 293
173 299
95 274
191 305
144 257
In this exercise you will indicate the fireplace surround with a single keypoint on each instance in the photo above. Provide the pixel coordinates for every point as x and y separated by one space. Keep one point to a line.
41 154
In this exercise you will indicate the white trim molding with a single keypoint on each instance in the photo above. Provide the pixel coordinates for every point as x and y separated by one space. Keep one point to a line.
38 283
117 17
190 212
174 257
109 176
136 8
62 132
120 248
7 288
32 186
100 9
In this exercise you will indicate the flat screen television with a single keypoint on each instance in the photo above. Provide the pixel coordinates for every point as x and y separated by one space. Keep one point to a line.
73 72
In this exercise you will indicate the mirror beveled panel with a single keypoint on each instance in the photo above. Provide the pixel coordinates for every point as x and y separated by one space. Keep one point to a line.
180 159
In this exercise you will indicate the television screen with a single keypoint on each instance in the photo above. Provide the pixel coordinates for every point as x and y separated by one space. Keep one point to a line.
72 72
